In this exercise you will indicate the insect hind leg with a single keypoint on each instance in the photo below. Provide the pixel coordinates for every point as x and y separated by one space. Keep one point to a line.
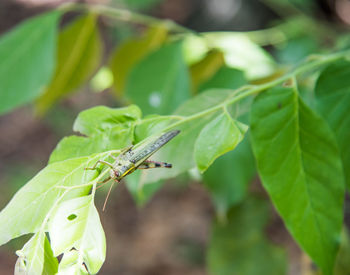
148 164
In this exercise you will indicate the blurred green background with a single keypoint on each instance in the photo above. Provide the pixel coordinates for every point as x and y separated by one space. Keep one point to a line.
170 234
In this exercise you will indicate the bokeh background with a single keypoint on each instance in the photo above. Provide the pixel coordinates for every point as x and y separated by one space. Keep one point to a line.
169 235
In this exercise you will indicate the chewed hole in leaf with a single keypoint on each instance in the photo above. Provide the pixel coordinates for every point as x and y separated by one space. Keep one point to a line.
71 217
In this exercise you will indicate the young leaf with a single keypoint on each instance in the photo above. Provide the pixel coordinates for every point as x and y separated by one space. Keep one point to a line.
76 225
132 51
228 177
27 55
239 245
299 164
33 204
160 82
218 137
36 257
241 53
333 100
79 54
106 129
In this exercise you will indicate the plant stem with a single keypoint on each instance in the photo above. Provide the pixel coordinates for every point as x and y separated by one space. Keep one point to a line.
311 63
124 15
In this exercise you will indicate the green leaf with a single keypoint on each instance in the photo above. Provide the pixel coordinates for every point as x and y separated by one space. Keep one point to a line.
76 224
228 177
27 55
240 247
190 118
333 100
106 129
141 192
218 137
160 82
224 78
297 49
206 68
299 164
36 257
79 54
32 206
132 51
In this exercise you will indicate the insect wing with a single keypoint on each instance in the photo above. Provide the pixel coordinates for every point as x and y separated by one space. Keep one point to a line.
140 155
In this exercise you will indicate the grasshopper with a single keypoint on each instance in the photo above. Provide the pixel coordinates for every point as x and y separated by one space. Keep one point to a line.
131 159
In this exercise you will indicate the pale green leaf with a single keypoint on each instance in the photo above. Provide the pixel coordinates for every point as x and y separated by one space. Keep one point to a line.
241 53
333 100
160 82
32 205
68 264
36 257
106 129
218 137
27 55
239 246
76 224
299 164
79 54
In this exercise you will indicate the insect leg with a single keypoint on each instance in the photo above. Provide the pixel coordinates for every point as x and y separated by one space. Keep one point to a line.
104 181
147 164
127 149
97 162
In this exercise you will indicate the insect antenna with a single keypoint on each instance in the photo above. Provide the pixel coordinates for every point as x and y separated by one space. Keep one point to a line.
109 192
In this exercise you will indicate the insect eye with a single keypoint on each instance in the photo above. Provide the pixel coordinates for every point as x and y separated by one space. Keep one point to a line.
116 173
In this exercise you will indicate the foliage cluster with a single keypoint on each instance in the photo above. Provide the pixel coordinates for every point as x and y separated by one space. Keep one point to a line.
240 112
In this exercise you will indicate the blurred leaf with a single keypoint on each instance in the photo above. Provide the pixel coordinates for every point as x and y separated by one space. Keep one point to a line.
299 164
194 49
36 257
132 51
105 129
32 205
224 78
76 225
240 247
141 192
27 55
296 49
241 53
160 82
79 54
141 4
333 100
206 68
102 80
228 177
218 137
342 264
